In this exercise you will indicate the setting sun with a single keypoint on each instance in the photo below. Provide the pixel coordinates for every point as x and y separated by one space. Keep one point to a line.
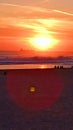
43 43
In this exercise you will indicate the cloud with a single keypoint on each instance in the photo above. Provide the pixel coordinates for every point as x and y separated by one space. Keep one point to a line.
32 12
31 17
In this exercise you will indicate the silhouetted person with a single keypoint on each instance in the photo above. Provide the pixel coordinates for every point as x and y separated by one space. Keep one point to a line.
61 67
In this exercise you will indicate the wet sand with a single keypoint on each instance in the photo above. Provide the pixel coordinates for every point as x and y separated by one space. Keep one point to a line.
58 117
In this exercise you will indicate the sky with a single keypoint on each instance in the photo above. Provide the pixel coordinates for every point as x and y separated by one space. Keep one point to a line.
28 25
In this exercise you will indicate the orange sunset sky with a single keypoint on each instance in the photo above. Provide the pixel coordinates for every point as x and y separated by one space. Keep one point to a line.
42 27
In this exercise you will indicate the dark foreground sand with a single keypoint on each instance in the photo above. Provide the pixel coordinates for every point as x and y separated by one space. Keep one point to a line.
57 117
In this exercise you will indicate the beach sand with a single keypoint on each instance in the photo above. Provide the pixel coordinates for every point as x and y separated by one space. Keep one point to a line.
57 116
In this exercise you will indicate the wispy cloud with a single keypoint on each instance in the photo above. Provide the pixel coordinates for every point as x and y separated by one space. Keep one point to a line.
11 10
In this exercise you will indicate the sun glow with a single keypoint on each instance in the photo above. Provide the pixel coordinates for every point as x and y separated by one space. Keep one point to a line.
43 43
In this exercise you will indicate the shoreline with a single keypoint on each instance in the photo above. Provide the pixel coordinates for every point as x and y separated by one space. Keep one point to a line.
34 66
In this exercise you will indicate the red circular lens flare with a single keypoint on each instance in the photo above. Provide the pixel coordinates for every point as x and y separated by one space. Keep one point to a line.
34 89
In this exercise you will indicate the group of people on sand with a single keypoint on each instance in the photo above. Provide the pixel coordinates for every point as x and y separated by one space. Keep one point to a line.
58 67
